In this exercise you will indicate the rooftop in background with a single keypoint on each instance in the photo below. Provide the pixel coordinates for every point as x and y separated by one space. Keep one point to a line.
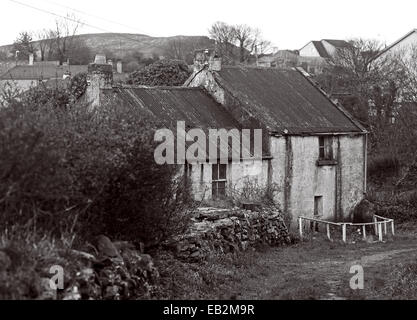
42 71
325 48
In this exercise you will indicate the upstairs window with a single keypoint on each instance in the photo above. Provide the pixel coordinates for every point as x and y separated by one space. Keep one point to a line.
326 148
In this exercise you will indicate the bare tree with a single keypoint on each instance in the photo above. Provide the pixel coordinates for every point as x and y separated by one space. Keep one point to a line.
225 37
247 39
64 35
250 41
45 41
378 89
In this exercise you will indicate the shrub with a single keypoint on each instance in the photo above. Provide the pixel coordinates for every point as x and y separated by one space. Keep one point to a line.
68 170
383 166
161 73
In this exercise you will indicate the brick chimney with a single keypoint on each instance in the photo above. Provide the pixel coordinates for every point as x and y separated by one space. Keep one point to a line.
99 77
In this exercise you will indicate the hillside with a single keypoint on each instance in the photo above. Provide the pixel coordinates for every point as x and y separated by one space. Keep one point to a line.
127 45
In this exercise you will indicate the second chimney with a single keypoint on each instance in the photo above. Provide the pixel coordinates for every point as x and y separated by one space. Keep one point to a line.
119 66
99 76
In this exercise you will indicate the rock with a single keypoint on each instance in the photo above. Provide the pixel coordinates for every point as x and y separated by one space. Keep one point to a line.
5 261
72 294
112 292
106 248
46 292
363 212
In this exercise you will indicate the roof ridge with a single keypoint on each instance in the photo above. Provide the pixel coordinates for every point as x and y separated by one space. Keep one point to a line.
396 42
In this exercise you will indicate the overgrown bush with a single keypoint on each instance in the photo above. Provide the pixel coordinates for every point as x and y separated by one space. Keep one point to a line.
161 73
66 170
383 165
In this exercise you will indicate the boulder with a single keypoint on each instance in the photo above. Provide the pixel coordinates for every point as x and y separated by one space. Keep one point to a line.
364 212
106 248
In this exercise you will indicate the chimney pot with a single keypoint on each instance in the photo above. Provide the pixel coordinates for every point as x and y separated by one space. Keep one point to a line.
100 59
119 66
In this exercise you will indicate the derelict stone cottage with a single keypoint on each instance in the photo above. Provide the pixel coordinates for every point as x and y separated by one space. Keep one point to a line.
315 152
318 151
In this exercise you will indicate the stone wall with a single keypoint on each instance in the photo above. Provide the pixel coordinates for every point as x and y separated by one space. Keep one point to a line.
228 231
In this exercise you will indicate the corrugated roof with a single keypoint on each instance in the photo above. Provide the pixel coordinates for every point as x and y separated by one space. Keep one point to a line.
284 100
43 71
172 104
168 105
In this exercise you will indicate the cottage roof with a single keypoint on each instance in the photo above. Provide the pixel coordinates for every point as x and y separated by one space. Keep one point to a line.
41 71
321 49
172 104
285 100
168 105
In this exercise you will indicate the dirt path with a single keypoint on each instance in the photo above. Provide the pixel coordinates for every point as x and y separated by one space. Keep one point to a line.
320 270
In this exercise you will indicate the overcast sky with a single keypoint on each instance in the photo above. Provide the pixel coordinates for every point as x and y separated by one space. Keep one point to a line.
288 24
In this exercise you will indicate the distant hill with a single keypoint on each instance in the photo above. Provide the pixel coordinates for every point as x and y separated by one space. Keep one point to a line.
128 45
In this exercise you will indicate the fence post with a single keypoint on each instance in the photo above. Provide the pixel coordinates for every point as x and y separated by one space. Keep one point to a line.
364 232
328 230
300 226
392 227
385 227
344 232
380 231
375 226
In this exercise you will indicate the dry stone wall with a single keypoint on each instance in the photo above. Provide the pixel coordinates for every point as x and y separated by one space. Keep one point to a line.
229 230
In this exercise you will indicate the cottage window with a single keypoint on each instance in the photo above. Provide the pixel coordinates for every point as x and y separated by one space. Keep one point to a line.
325 148
218 180
326 151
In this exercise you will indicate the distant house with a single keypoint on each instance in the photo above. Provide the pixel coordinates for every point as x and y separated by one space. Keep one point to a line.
281 59
313 151
325 48
23 77
315 55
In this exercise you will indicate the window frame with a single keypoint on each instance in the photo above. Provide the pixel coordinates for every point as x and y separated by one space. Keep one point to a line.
216 180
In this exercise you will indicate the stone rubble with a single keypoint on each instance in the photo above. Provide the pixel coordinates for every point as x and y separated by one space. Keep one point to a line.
229 231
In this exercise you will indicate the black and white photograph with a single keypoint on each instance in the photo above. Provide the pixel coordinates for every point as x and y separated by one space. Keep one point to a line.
225 151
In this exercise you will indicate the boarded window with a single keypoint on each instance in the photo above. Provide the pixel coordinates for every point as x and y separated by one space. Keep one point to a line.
326 148
218 179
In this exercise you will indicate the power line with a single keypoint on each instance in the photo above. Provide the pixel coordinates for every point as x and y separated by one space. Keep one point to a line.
92 15
57 15
72 19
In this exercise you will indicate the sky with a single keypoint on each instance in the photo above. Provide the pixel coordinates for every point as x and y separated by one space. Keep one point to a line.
287 24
